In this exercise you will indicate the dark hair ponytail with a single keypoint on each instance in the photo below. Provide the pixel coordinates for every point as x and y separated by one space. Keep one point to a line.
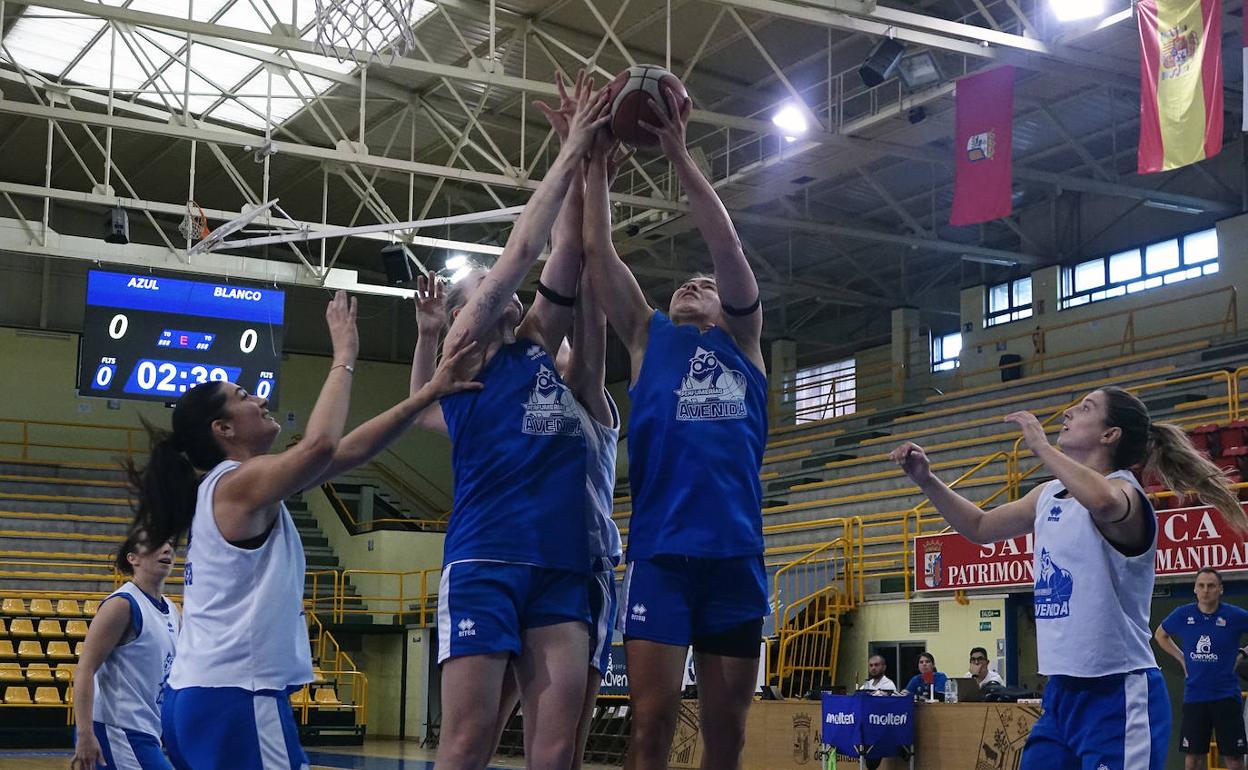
165 489
1166 453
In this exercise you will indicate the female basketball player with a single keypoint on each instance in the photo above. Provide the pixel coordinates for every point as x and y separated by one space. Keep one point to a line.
125 659
1105 704
515 563
244 644
696 436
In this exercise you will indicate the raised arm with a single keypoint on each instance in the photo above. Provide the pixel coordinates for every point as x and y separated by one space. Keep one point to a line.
550 317
362 444
972 522
587 374
734 278
107 628
532 228
1116 507
430 321
243 502
622 300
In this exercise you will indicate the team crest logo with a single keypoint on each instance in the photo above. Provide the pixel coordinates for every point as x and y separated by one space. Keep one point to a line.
1178 49
801 738
1203 644
982 146
1054 587
710 391
931 565
1221 621
551 408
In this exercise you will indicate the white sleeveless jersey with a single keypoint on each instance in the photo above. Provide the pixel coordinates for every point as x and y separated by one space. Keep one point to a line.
602 441
244 623
1091 601
129 682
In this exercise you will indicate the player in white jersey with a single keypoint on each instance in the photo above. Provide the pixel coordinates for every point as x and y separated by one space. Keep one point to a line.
125 658
244 644
1105 704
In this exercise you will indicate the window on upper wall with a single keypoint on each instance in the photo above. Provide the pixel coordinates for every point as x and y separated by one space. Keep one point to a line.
1009 301
1148 267
945 351
828 390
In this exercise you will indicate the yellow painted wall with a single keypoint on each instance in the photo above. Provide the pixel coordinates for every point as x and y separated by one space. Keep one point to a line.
889 621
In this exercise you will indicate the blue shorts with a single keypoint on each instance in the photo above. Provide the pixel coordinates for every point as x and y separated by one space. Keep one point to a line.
602 610
484 606
679 599
130 750
229 728
1117 722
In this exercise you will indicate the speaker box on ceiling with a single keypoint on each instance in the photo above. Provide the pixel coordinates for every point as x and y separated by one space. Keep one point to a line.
881 62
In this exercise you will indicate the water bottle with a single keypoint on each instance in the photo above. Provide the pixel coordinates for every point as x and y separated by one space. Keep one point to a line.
951 691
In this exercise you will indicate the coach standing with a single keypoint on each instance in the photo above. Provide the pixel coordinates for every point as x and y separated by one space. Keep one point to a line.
1208 631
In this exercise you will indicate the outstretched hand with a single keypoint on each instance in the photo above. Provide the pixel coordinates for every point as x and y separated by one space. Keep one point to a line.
430 305
593 111
913 461
343 334
610 153
560 118
454 374
672 122
1033 431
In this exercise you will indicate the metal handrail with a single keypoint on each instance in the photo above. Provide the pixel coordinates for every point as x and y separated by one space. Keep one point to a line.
401 598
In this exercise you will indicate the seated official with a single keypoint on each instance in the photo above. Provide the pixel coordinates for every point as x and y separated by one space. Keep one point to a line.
877 682
979 668
928 681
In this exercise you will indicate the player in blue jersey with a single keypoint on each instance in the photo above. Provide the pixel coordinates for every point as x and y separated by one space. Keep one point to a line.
1105 705
697 431
514 585
1209 631
244 641
582 364
125 658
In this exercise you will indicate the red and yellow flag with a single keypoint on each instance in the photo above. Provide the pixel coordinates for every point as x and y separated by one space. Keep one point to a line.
1180 82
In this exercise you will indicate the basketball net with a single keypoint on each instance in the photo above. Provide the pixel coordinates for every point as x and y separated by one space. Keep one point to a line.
194 225
364 26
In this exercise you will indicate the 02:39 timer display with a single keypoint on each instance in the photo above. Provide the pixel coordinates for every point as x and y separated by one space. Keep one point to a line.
154 338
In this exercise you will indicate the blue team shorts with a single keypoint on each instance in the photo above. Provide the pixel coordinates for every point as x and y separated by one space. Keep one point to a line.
679 599
229 728
129 749
602 610
1116 722
485 606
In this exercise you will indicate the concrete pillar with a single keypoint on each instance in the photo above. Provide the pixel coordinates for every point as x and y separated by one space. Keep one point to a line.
781 379
912 351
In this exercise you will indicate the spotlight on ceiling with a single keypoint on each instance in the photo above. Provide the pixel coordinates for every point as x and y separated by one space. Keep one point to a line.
919 71
881 62
456 261
1074 10
1177 208
791 120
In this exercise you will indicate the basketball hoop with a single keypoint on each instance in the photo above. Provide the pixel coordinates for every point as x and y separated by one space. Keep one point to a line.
364 26
194 225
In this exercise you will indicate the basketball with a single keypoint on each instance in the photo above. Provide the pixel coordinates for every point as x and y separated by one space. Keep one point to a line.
638 93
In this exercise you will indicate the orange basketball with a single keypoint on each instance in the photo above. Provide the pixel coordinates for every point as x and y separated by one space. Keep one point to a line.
639 91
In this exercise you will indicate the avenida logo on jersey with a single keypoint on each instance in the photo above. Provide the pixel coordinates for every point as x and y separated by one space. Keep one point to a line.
1204 651
550 409
710 391
1054 587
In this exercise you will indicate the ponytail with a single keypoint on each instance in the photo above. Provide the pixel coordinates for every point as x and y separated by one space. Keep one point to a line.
1166 453
164 491
1173 459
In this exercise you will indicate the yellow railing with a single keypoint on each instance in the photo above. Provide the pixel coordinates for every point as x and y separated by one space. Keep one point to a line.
819 588
337 665
391 592
1041 361
29 440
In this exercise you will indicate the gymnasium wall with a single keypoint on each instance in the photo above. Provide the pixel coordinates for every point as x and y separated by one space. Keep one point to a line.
949 641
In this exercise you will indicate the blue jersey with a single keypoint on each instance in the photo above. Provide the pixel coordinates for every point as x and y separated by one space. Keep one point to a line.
518 455
696 437
1209 643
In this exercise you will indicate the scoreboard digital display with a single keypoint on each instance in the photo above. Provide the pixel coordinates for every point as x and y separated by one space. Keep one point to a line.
152 338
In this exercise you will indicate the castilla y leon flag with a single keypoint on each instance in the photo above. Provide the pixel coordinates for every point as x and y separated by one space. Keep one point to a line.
983 138
1180 82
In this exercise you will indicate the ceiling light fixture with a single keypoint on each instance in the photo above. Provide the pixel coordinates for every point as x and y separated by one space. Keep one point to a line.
1074 10
791 120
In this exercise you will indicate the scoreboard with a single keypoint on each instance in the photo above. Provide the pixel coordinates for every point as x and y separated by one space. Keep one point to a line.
152 338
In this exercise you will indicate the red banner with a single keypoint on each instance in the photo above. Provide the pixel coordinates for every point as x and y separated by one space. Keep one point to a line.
1187 540
983 141
1180 82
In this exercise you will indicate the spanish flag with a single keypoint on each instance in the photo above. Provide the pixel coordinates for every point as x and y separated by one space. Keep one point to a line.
1180 82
